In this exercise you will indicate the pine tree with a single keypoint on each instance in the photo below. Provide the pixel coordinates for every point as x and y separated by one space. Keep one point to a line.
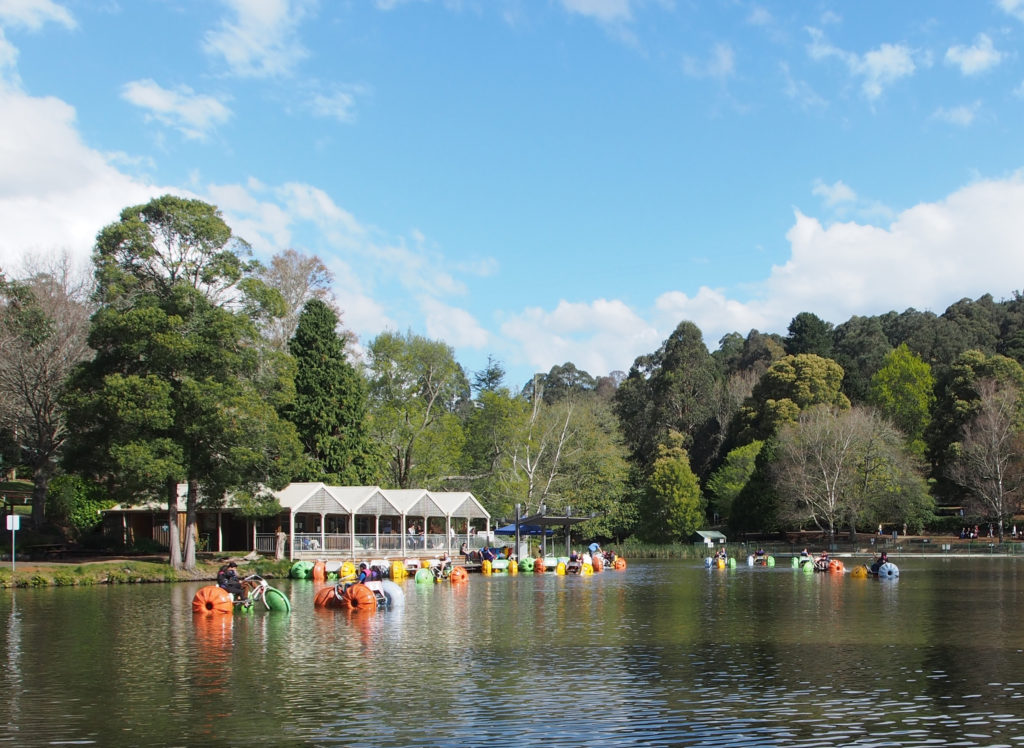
329 410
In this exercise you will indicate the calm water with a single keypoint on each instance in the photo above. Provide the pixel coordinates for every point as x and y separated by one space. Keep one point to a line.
663 654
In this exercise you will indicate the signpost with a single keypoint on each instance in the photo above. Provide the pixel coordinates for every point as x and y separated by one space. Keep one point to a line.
13 524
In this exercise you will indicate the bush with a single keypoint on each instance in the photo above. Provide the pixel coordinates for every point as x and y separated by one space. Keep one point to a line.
76 503
64 579
147 546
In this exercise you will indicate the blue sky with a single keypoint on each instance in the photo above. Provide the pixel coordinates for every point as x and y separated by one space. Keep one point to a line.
541 181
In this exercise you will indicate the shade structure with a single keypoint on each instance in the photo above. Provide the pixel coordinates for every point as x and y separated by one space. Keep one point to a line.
548 521
523 530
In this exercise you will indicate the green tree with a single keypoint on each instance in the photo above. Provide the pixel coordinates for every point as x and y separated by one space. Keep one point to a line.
760 351
670 390
733 474
937 340
178 390
493 428
592 471
489 379
674 506
559 383
416 389
860 347
755 507
791 384
977 321
903 390
956 403
329 409
76 504
808 333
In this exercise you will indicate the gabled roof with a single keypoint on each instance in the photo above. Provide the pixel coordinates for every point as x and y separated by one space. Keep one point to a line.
710 534
460 504
417 502
319 497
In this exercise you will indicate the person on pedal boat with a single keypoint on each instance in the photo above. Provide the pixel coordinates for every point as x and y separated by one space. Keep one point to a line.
883 559
227 579
367 573
446 564
822 561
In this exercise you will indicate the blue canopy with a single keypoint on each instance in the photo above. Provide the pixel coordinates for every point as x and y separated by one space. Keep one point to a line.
523 530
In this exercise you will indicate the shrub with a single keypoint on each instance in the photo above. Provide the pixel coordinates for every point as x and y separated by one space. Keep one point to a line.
63 578
76 503
148 546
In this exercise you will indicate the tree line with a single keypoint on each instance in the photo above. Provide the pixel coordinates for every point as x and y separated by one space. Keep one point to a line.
182 360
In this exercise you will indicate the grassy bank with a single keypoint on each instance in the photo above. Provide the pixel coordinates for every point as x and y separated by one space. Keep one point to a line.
125 571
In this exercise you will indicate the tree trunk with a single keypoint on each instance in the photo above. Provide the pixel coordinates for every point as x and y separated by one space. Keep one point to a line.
40 487
191 503
173 539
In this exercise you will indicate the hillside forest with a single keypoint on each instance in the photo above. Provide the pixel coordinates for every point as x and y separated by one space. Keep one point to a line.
181 359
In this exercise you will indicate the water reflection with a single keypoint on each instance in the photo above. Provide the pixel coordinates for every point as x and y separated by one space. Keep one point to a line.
661 654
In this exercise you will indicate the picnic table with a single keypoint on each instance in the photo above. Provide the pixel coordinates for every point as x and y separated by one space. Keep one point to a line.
47 550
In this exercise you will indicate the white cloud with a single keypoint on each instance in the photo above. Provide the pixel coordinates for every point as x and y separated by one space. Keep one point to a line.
931 255
339 103
261 40
1014 8
977 59
56 192
719 65
32 14
961 116
599 337
455 326
8 57
928 257
378 279
834 194
800 91
713 312
192 114
877 69
606 11
760 16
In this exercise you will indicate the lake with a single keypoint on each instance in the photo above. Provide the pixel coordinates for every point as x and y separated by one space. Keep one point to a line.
665 653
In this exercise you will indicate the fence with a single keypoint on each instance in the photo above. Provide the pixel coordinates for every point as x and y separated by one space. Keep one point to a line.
341 544
918 546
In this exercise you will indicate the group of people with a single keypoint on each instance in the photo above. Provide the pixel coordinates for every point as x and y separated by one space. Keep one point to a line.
820 563
973 533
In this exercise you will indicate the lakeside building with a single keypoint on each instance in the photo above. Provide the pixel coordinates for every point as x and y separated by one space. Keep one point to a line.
320 521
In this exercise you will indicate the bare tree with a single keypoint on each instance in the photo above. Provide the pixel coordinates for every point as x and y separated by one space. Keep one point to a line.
988 462
45 321
299 278
835 466
537 458
812 474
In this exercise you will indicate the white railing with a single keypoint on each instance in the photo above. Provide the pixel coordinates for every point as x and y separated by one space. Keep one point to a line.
310 544
266 542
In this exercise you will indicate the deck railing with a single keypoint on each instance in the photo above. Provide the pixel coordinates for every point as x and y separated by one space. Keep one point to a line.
310 544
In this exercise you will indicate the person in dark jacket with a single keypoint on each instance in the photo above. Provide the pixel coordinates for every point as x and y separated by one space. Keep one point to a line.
227 579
